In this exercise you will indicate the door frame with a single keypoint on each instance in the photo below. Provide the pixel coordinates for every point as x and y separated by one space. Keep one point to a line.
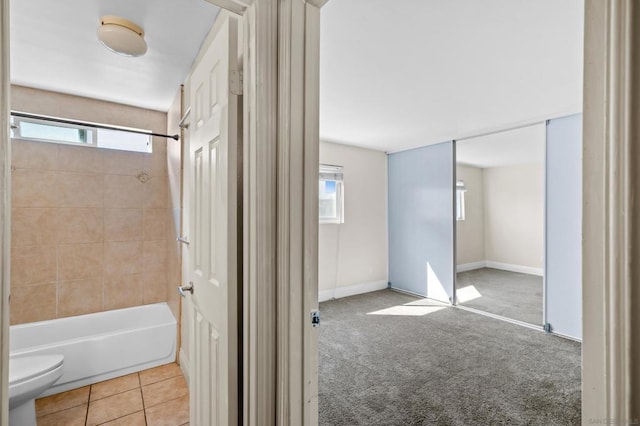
5 211
610 232
284 35
280 204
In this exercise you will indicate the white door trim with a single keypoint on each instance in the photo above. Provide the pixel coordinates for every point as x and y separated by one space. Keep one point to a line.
611 383
281 142
5 211
259 210
298 159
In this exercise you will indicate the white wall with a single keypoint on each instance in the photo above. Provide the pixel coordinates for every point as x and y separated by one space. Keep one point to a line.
514 215
470 231
353 255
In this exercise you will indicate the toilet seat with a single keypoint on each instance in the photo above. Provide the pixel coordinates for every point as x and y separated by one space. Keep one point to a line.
26 368
29 376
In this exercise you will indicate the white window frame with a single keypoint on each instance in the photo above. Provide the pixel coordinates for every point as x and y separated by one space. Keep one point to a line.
333 173
460 206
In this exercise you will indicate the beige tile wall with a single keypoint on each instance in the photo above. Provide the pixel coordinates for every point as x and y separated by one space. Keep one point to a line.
87 234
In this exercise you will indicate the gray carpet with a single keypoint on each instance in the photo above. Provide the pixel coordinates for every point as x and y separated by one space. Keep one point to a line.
448 367
512 295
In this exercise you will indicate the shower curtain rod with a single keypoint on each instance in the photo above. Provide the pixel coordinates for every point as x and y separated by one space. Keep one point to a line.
87 124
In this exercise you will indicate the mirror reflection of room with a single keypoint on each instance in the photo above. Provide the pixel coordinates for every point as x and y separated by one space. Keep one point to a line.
500 223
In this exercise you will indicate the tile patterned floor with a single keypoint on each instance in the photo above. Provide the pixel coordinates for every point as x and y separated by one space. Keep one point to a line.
155 397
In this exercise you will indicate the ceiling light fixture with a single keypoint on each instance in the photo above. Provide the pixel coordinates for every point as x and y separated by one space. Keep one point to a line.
122 36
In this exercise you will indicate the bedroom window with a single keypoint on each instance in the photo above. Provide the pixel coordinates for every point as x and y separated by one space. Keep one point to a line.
331 194
460 190
56 130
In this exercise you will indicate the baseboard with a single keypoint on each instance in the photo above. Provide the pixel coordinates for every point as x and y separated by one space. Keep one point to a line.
515 268
471 266
184 364
566 336
351 290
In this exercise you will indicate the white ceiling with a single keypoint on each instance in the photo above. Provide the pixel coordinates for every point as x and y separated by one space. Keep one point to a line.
54 47
396 75
525 145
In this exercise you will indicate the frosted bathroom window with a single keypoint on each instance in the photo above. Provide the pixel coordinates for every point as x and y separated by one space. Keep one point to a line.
48 132
331 194
112 139
45 130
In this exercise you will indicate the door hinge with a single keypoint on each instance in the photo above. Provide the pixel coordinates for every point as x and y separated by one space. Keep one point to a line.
547 327
235 82
315 318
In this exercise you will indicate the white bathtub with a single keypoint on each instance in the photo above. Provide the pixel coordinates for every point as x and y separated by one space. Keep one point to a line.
101 346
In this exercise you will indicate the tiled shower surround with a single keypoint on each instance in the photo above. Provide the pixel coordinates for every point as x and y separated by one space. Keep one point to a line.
92 229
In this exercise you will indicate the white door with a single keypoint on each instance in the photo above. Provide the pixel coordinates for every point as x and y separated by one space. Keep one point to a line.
213 175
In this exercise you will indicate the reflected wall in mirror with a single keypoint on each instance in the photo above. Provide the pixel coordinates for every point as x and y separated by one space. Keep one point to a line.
500 223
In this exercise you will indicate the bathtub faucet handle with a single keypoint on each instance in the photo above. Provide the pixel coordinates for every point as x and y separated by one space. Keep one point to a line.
184 288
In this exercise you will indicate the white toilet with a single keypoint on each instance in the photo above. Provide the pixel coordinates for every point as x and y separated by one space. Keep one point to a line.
29 376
